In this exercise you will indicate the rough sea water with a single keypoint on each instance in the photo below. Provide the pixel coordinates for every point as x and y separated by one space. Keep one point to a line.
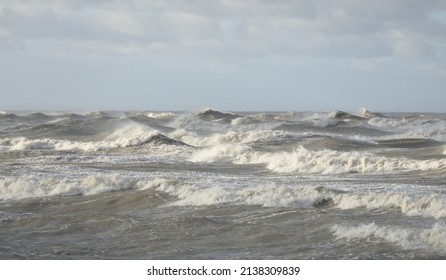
217 185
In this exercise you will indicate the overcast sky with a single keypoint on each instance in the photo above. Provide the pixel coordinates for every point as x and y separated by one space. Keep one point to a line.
301 55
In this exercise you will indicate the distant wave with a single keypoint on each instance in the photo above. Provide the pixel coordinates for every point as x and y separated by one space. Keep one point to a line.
161 115
212 115
98 115
341 115
412 128
4 115
302 160
131 135
333 118
232 136
364 113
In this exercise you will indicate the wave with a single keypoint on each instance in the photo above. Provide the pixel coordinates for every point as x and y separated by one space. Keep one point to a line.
341 115
161 115
302 160
272 195
243 121
98 115
409 143
128 136
213 115
4 115
35 187
133 134
207 193
49 128
366 114
268 195
432 239
230 137
267 138
333 120
427 206
417 128
39 116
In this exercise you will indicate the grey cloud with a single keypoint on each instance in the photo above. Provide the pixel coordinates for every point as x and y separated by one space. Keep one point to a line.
338 28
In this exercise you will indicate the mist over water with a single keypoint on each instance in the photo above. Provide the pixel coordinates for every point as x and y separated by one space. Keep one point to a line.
222 185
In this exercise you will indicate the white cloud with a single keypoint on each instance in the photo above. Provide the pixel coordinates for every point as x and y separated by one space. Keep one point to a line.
229 30
3 32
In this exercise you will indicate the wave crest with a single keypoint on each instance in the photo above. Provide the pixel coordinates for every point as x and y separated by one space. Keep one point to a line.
212 115
302 160
128 136
35 187
432 239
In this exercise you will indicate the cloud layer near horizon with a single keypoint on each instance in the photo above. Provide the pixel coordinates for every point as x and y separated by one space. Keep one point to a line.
219 35
340 28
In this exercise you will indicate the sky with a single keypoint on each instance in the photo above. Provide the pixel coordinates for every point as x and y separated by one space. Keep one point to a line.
233 55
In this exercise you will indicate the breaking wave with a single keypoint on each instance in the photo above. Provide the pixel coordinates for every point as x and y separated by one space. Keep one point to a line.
199 194
161 115
272 195
427 206
230 137
268 195
128 136
432 239
212 115
302 160
35 187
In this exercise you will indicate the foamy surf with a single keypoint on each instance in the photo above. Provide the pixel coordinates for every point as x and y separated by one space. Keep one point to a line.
302 160
433 238
222 185
132 135
35 187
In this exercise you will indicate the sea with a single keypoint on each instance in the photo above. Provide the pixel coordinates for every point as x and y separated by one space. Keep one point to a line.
211 184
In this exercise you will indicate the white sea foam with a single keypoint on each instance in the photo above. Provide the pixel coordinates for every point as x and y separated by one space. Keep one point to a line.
302 160
429 206
220 153
272 195
232 136
268 195
126 136
161 115
131 134
242 121
34 187
432 239
411 128
23 143
207 193
322 120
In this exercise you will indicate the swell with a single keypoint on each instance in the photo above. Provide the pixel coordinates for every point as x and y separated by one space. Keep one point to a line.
304 161
214 115
409 143
14 188
433 238
130 135
272 195
252 192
